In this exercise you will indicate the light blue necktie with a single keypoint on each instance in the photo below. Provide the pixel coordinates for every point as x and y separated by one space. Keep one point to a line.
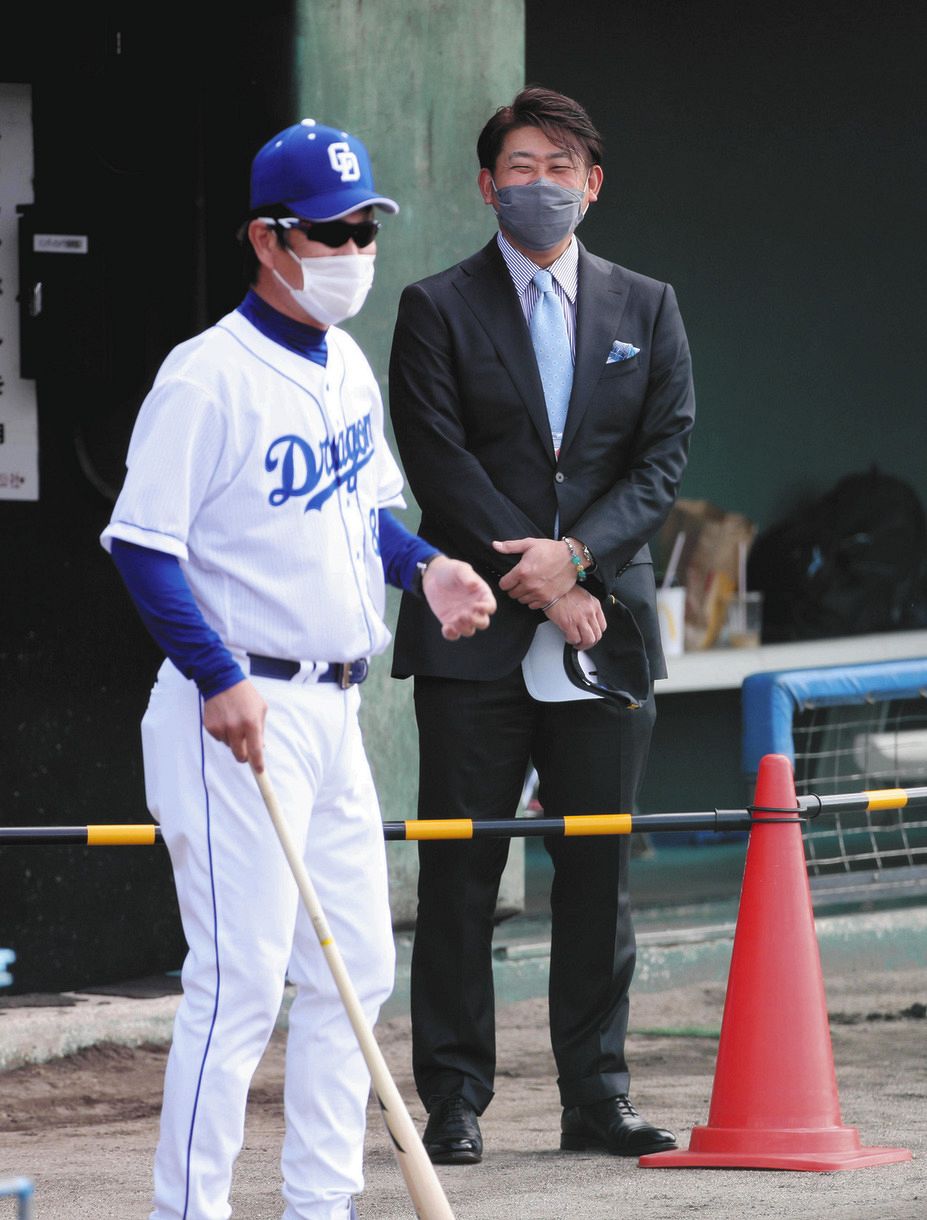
552 349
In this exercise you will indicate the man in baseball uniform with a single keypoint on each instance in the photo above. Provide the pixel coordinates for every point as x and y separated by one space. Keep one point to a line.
253 533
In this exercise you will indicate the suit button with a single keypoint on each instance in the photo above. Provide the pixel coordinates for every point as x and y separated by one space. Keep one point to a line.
559 477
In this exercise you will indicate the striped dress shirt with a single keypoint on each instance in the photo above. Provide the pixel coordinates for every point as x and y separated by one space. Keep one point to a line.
565 272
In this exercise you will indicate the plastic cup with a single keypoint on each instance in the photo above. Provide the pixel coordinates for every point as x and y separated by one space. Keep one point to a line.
671 608
744 625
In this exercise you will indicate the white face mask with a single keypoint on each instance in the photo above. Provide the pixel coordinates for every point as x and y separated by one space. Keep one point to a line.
335 286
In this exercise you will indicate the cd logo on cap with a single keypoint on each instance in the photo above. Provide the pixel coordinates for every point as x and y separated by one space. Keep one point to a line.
344 162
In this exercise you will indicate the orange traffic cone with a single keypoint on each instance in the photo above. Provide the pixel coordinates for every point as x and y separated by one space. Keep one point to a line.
774 1103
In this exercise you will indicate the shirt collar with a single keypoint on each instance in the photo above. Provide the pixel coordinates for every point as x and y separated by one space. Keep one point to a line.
299 337
565 270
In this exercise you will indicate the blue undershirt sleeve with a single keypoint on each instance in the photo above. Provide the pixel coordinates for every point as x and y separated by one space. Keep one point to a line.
164 601
400 551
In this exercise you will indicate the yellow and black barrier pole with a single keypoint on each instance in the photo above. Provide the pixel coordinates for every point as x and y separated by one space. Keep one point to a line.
417 830
142 835
574 825
414 830
864 802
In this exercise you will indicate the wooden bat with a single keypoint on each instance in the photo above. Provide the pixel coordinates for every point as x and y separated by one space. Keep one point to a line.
425 1190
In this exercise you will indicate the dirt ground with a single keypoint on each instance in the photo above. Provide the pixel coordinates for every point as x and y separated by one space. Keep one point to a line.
83 1128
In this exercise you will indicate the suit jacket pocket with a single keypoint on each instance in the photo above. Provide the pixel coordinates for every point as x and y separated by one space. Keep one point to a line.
621 368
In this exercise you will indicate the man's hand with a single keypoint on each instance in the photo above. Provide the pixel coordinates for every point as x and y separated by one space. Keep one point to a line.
579 616
459 598
544 573
236 717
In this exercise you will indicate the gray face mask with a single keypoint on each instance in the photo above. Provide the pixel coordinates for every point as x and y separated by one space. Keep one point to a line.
539 215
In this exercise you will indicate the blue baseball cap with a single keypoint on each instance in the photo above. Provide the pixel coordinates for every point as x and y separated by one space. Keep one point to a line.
322 173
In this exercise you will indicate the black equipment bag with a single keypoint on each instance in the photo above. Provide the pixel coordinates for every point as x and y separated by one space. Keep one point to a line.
852 562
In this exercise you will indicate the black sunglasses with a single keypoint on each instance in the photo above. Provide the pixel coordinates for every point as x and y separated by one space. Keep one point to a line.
333 233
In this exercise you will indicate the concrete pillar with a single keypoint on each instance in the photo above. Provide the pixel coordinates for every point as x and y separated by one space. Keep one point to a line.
416 80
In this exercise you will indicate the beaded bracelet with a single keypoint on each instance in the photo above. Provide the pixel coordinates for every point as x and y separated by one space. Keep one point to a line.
575 559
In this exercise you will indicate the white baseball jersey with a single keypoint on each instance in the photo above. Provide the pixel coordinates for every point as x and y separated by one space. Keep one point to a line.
264 473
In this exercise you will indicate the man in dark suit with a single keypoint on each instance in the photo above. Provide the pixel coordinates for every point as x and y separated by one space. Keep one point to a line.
557 514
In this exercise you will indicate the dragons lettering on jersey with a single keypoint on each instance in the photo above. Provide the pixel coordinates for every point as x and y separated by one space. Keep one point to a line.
318 474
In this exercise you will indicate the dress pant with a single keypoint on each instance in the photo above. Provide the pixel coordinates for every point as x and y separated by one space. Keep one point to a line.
477 740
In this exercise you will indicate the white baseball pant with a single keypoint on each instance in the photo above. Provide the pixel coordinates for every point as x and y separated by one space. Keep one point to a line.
247 932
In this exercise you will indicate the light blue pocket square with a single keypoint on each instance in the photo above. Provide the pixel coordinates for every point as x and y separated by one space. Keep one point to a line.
621 351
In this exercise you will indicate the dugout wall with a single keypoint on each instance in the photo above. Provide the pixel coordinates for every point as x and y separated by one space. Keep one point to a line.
766 161
144 123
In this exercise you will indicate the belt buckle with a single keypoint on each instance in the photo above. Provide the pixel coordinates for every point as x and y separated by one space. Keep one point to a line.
353 673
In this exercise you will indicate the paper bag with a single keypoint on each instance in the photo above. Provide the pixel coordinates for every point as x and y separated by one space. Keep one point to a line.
708 564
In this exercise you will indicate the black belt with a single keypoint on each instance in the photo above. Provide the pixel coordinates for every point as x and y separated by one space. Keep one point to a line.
345 673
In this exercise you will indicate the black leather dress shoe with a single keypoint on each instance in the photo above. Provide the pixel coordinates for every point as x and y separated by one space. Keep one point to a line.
452 1133
613 1125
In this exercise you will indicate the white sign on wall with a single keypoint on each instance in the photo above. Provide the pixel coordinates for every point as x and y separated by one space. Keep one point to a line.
19 423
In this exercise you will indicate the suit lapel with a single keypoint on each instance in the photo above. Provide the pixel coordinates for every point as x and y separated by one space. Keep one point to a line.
601 302
487 288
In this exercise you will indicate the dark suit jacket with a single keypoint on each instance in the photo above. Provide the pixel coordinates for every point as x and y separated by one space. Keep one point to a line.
471 425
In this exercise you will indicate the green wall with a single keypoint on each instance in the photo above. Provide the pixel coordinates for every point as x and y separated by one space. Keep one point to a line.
769 162
416 80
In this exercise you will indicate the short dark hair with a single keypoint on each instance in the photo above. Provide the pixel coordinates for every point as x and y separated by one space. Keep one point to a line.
250 261
555 114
